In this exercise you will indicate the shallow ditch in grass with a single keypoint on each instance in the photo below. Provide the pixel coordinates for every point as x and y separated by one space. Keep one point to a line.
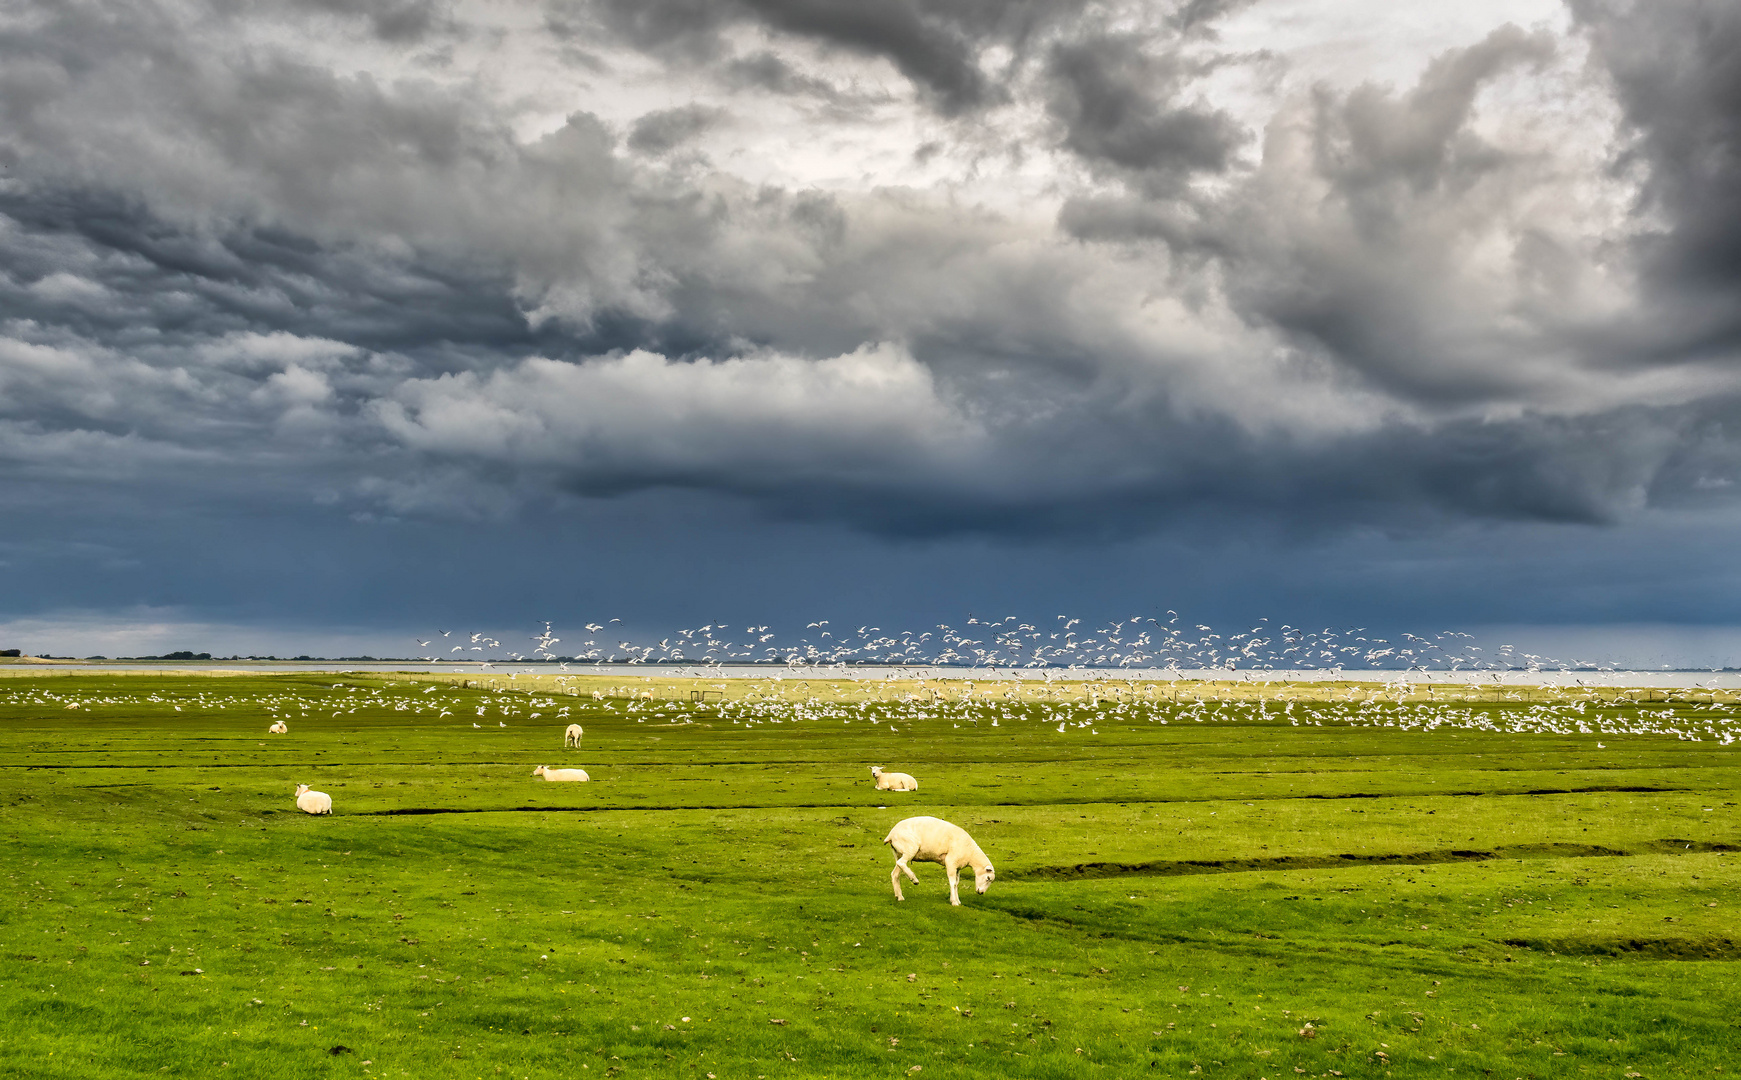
1466 794
1651 948
1121 800
415 811
1188 867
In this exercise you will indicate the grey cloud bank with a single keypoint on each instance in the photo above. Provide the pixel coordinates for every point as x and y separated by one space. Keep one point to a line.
394 308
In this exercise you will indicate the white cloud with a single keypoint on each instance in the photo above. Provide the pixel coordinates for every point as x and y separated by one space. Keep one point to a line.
64 288
250 350
756 419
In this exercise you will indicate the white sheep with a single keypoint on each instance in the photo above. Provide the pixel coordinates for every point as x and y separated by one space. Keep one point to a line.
571 737
277 728
929 839
578 775
893 781
312 802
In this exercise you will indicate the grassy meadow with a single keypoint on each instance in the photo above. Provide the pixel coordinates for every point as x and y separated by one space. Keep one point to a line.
1330 891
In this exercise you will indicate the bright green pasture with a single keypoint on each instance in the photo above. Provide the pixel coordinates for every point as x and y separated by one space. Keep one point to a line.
1191 899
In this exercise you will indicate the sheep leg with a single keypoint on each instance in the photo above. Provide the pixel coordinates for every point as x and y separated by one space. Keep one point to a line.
895 879
955 886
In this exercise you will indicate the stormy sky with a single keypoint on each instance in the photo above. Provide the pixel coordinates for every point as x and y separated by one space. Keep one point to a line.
327 322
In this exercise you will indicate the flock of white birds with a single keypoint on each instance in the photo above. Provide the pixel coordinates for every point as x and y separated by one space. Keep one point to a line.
1061 643
1033 706
1701 721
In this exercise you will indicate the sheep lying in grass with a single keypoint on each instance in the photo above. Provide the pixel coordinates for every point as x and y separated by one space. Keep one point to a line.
893 781
277 728
571 737
561 774
929 839
312 802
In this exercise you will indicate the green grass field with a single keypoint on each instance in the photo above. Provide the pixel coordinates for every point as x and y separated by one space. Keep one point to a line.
1238 896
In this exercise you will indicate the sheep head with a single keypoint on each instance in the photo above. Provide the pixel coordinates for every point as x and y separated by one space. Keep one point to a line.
302 789
982 879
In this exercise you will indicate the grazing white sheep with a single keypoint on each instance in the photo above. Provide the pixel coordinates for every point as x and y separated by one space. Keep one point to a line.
561 774
571 737
312 802
277 728
929 839
893 781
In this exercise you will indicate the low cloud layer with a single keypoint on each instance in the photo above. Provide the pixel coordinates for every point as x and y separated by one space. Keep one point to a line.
1022 271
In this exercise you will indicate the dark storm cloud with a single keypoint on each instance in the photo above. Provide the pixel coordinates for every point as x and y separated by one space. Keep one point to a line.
937 46
1355 238
1116 102
107 269
1199 16
398 21
931 50
687 28
934 52
1374 142
663 131
387 213
1676 69
1353 233
768 72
